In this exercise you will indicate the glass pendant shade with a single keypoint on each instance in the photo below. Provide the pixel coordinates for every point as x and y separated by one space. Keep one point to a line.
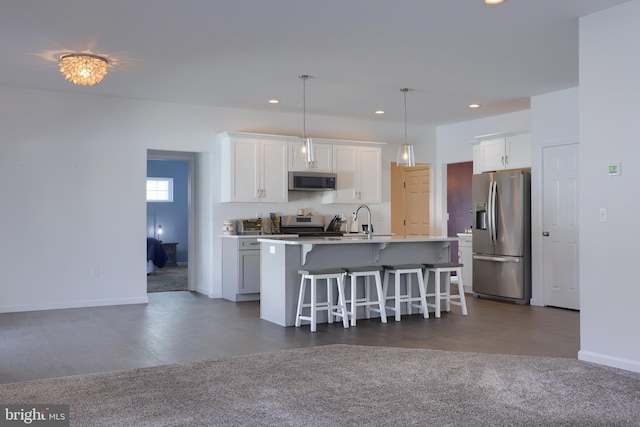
308 151
405 151
306 145
405 156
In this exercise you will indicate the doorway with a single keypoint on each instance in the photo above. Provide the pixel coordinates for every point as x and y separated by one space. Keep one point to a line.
410 200
176 222
459 201
560 259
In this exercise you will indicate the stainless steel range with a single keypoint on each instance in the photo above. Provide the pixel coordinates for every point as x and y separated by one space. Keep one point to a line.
309 226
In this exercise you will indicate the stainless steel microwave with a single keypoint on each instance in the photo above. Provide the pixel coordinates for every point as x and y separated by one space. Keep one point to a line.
312 181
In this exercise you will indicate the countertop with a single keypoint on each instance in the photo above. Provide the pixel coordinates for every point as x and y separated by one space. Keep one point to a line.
358 239
260 236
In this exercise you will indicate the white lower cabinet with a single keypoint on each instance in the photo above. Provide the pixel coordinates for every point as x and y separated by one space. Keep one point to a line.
240 269
465 255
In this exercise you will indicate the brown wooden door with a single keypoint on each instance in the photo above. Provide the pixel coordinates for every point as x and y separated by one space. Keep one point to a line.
410 201
416 202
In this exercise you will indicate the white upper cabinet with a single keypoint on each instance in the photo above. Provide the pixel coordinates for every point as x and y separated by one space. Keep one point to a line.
358 175
518 151
511 152
254 169
323 158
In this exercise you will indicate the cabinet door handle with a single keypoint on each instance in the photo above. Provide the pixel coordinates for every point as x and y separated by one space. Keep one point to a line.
506 160
545 233
502 160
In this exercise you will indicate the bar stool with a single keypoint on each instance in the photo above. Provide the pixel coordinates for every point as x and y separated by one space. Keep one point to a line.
409 270
354 302
449 268
313 276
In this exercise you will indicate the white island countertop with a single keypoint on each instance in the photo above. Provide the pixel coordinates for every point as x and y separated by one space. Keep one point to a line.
357 239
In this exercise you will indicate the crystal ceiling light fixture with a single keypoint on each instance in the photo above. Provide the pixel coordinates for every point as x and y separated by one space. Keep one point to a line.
83 68
405 151
307 145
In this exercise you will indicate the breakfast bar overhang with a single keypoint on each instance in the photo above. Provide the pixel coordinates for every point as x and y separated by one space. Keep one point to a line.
280 260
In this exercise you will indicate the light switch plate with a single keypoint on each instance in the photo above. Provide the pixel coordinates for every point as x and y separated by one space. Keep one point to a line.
603 214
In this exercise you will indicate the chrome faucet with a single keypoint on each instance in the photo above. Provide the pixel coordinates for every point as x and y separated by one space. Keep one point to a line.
369 231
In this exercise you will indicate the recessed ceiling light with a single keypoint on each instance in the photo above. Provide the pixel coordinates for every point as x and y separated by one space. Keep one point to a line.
492 2
474 105
380 112
274 101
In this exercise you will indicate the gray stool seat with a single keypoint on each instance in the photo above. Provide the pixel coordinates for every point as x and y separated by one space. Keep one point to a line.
363 269
438 294
403 267
332 309
321 272
443 265
366 272
408 270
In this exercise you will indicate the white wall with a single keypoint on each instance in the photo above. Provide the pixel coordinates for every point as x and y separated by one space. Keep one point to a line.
554 121
609 97
72 184
454 145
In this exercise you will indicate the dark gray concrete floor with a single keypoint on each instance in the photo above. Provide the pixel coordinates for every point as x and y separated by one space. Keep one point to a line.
178 327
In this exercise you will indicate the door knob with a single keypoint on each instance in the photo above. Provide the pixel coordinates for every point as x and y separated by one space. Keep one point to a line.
545 233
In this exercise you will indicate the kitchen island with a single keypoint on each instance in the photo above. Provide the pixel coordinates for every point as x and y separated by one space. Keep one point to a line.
280 260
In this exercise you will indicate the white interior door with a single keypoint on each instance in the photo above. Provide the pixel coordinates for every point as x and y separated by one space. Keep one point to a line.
560 226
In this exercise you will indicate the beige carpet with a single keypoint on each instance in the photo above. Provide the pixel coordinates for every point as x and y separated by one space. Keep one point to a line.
343 385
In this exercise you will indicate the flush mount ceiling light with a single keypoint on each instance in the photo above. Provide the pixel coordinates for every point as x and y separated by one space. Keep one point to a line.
405 151
82 68
491 2
307 145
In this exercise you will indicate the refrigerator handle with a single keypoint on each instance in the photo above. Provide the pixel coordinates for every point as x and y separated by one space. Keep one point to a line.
492 217
489 214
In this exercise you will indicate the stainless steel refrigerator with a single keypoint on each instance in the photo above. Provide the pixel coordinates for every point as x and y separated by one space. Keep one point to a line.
502 235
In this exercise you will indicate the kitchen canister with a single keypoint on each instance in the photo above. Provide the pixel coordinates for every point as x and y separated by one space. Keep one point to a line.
227 227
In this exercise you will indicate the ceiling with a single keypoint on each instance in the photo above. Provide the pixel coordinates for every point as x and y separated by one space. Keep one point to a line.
241 53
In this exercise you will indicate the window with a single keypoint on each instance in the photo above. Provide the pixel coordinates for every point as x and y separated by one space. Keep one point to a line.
159 189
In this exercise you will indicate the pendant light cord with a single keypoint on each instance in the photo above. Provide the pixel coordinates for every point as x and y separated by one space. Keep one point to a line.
304 78
404 90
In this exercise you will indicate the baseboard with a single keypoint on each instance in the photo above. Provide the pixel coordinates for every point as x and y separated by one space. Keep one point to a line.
614 362
73 304
207 292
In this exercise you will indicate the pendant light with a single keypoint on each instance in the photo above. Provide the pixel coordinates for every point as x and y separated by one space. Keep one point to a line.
306 147
405 151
